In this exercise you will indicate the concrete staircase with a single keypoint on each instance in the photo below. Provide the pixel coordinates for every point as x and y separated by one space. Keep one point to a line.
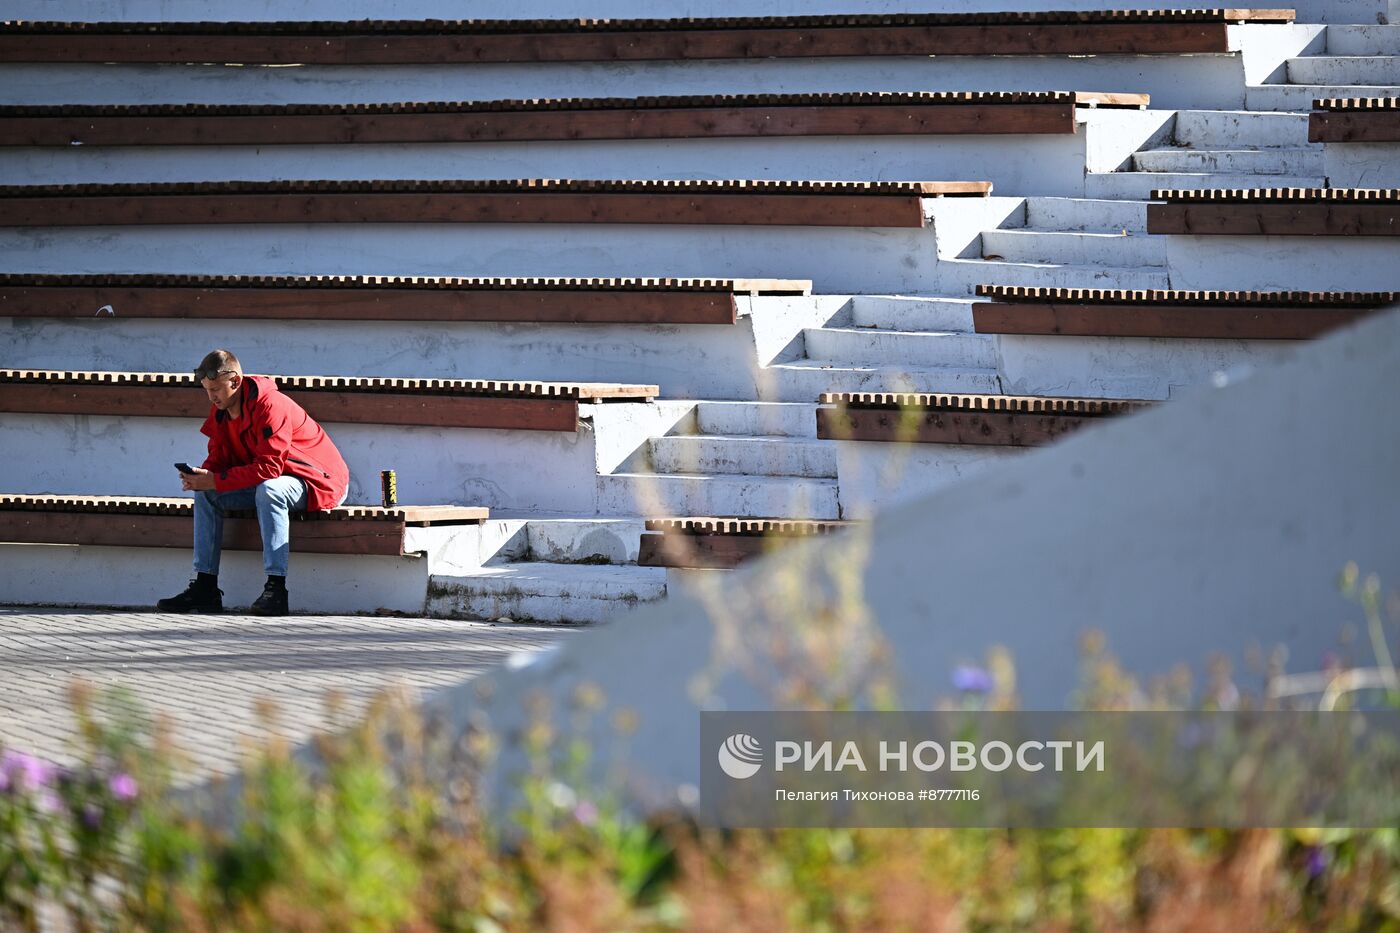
1222 149
563 570
1359 61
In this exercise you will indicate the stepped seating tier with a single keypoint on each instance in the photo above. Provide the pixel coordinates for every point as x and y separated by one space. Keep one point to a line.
761 115
455 403
141 521
722 543
993 420
1086 312
1132 32
762 203
383 298
1352 212
1355 120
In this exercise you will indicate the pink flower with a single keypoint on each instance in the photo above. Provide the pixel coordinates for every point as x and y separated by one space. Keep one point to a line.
586 813
123 787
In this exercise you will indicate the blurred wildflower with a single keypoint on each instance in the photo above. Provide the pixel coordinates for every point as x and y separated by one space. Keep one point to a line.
971 679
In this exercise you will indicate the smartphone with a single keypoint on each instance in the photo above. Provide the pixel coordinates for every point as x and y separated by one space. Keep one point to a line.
184 468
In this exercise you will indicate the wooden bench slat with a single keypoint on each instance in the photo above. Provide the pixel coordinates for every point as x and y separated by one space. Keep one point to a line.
485 41
1355 120
1243 315
584 301
994 420
1276 212
761 203
455 403
723 543
142 521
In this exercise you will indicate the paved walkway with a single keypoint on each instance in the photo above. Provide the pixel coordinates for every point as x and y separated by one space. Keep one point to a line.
208 674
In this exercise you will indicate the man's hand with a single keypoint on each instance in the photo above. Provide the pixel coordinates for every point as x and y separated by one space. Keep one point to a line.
199 479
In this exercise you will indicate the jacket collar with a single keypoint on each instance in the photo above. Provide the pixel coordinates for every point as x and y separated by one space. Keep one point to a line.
250 394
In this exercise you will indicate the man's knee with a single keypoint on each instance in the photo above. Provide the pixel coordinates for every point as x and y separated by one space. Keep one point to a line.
272 494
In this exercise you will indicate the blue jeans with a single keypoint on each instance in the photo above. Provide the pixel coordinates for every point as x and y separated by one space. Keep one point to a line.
275 500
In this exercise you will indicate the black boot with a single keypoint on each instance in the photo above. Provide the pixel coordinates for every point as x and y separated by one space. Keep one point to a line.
273 601
201 596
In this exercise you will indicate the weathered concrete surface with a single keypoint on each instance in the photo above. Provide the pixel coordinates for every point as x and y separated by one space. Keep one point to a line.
1362 165
207 674
74 575
1214 525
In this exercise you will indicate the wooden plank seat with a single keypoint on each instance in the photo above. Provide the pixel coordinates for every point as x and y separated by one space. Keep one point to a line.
140 521
1355 120
386 298
722 542
378 42
452 403
1095 312
996 420
553 201
764 115
1276 212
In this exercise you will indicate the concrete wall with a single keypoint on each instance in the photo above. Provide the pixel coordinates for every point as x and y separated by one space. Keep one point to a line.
686 361
1214 525
1208 80
56 574
1123 367
1362 165
1302 263
1052 165
841 260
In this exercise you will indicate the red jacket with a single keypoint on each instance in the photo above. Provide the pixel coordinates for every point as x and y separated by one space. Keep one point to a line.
273 437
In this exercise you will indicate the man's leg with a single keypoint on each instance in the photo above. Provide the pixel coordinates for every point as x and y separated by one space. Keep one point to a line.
203 593
276 500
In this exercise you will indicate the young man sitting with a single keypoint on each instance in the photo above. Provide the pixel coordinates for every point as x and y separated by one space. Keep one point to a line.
265 453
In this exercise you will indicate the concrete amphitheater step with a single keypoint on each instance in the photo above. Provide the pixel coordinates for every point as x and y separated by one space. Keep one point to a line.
1140 185
737 495
743 455
806 380
757 419
1345 69
544 592
840 345
1239 129
1101 215
974 272
1363 40
898 313
1074 248
1299 97
1268 162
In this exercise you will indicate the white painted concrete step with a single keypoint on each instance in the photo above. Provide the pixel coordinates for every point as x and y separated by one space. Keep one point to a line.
1074 248
1270 161
1239 129
894 312
757 419
1087 214
698 494
1363 40
973 272
1139 185
841 345
545 592
744 455
1299 97
806 380
1344 69
583 540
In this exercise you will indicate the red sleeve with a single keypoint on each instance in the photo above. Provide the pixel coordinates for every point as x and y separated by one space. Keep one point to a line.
274 438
